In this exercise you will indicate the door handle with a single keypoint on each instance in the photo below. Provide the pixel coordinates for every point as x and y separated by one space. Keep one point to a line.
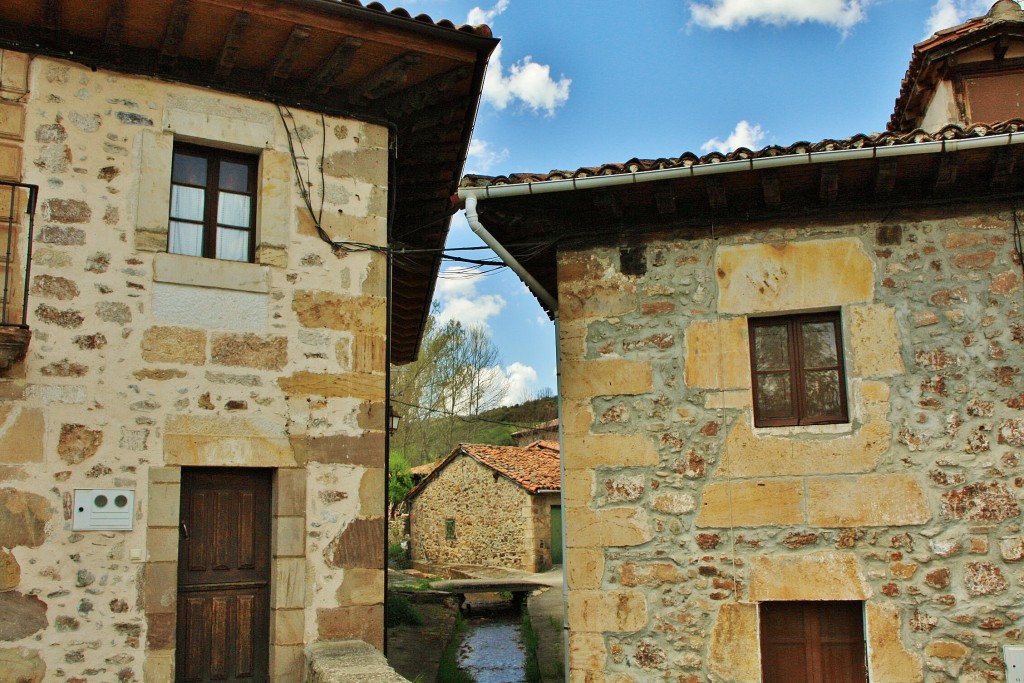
184 530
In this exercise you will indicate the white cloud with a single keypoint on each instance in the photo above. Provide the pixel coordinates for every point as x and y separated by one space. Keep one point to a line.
744 134
456 292
527 81
947 13
482 157
456 281
521 382
479 16
732 14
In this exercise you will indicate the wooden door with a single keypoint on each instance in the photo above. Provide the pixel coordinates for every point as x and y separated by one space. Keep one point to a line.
223 575
556 534
812 642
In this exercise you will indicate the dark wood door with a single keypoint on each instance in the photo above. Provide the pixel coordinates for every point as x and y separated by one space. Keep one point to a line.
813 642
223 575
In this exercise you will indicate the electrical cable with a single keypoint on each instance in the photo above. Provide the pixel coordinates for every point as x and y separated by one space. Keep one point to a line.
463 418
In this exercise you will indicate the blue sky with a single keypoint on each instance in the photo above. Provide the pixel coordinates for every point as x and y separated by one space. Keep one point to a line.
585 82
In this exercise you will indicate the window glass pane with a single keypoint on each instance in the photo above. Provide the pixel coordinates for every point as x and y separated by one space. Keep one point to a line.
233 209
232 245
774 396
822 392
185 238
234 176
771 347
189 169
187 203
819 345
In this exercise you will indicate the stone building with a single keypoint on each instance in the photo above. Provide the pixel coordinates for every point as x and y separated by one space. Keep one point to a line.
192 447
496 506
791 390
546 431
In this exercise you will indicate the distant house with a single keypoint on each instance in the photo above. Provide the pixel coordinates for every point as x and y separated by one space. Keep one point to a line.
547 431
489 505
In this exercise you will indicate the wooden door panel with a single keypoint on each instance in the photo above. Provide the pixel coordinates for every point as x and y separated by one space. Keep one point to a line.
224 575
812 642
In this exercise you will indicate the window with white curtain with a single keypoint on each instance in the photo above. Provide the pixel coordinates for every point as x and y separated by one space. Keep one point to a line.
213 203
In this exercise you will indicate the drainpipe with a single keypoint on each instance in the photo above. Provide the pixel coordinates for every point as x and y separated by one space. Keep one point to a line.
541 293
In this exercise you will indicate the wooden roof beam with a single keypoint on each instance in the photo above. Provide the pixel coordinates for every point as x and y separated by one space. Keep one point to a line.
770 189
282 67
385 80
885 177
232 44
51 17
428 93
174 33
828 191
946 176
1003 164
717 197
321 80
115 26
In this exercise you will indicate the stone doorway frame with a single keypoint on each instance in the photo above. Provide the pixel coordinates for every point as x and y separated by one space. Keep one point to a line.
288 573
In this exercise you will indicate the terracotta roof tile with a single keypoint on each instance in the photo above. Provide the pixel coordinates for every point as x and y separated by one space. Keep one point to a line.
687 159
535 467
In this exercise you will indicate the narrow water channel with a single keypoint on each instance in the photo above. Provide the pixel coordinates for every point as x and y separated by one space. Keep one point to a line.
492 648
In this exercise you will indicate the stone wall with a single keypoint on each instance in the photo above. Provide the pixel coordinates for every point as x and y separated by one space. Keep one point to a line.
143 362
682 516
497 522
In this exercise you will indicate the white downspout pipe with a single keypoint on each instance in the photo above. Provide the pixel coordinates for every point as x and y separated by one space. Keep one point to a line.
541 293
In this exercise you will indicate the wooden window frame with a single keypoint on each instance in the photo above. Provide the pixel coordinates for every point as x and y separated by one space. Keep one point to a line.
449 530
793 322
211 190
815 642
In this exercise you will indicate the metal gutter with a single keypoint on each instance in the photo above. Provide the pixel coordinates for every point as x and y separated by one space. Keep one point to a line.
762 163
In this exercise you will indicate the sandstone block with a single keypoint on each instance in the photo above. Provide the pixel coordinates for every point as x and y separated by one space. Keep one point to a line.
361 587
793 276
817 576
174 345
10 162
585 568
946 649
587 651
249 350
12 120
23 615
21 435
288 627
734 651
10 570
78 443
368 353
14 71
623 526
632 574
591 451
587 379
213 440
577 416
870 500
597 301
288 590
875 341
718 354
758 454
359 622
607 611
22 665
371 492
888 657
360 545
346 385
340 312
752 503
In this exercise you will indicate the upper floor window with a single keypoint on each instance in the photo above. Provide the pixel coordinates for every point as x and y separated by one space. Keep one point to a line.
797 367
213 203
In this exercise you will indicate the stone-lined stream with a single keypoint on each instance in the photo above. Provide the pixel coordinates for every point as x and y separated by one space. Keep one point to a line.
492 648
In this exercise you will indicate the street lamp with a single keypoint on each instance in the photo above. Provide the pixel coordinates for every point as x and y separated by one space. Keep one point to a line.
393 419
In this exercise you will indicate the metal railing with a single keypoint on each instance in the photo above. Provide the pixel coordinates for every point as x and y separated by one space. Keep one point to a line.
17 220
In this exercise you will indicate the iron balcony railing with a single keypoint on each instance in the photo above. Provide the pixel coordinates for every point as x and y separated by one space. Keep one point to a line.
17 217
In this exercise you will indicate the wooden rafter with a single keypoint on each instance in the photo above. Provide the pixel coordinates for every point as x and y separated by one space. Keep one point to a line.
829 187
442 114
426 94
174 32
430 153
717 197
51 17
946 176
885 177
385 80
321 80
232 44
1003 164
115 25
282 67
770 188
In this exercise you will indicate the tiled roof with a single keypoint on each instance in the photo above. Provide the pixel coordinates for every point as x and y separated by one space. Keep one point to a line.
549 426
948 40
425 469
482 30
535 467
688 159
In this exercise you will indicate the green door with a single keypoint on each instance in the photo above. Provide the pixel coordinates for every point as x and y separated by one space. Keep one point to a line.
556 534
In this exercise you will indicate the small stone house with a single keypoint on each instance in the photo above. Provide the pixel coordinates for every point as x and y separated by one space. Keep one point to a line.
546 431
791 389
497 506
192 433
